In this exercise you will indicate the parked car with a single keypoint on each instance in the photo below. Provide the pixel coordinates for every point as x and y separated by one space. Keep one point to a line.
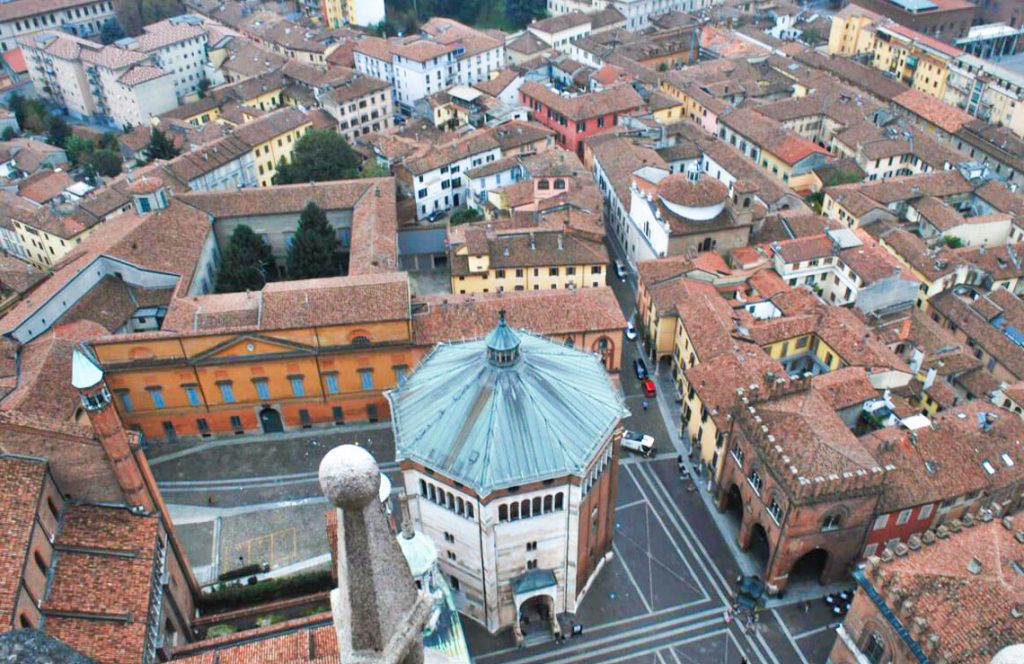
640 368
648 386
641 443
630 331
620 270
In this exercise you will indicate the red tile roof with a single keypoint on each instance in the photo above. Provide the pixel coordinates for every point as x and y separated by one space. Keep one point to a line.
21 481
336 301
616 99
98 596
15 59
966 582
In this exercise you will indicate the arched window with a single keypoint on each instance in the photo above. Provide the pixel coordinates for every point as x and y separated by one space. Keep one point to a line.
25 622
433 493
469 509
746 202
568 343
502 512
543 185
361 340
832 522
423 488
559 183
536 506
40 563
514 508
547 504
524 509
874 648
755 481
460 506
451 501
558 501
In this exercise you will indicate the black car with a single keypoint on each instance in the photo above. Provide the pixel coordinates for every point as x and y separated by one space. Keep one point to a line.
640 368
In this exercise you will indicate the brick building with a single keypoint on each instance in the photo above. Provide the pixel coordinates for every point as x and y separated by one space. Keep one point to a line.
952 594
806 488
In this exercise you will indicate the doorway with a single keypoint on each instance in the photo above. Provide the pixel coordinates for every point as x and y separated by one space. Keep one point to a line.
270 420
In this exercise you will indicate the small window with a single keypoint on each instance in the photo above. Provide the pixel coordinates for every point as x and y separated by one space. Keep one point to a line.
157 395
236 423
227 392
331 383
366 379
831 522
262 388
298 389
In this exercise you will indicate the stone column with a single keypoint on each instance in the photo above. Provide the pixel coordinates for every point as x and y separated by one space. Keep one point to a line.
378 612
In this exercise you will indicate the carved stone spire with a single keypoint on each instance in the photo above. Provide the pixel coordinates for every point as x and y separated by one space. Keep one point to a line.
379 614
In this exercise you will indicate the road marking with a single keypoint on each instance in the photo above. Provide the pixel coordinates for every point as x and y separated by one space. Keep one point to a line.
810 632
573 654
631 504
618 635
629 575
666 501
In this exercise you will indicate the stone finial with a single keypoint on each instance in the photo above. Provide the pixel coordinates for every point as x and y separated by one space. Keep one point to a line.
901 550
914 542
967 521
942 532
1008 522
378 612
954 526
928 537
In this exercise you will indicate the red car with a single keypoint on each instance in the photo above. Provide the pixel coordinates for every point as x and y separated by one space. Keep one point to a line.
648 385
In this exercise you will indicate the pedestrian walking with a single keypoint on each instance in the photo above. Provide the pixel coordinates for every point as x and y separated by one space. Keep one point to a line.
644 404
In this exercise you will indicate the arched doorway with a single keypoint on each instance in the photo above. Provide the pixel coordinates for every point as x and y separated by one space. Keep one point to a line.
760 548
809 567
270 420
734 505
535 615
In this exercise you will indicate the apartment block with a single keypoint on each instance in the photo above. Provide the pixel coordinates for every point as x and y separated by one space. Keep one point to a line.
83 18
338 13
105 84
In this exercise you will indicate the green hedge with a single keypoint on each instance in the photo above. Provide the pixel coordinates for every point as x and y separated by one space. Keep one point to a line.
237 596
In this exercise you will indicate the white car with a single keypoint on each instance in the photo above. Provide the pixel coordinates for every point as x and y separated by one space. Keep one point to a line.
630 331
620 270
641 443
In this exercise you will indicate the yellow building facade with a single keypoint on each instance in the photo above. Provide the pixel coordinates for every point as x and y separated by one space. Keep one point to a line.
269 154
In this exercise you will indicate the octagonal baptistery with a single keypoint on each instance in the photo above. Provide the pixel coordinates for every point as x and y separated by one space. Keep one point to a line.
696 200
508 447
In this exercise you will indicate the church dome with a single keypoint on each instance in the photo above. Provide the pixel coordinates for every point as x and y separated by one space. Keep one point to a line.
510 409
1010 655
697 200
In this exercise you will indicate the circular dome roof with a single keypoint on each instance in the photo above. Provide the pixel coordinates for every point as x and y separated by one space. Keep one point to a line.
681 190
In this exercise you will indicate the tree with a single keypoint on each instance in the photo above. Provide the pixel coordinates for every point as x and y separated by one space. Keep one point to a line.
111 31
31 114
160 146
373 169
9 133
246 262
314 250
58 131
520 12
204 85
105 162
78 148
952 241
463 215
320 155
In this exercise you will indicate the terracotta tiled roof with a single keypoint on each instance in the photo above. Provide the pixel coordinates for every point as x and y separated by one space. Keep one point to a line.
21 483
97 600
678 188
11 11
336 301
971 612
616 99
560 22
540 249
142 74
271 125
804 248
495 86
527 44
44 186
585 310
942 115
844 388
715 380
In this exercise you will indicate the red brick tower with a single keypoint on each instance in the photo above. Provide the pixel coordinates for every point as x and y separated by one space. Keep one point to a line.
87 378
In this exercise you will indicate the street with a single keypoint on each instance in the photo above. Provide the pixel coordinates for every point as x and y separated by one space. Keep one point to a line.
661 598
